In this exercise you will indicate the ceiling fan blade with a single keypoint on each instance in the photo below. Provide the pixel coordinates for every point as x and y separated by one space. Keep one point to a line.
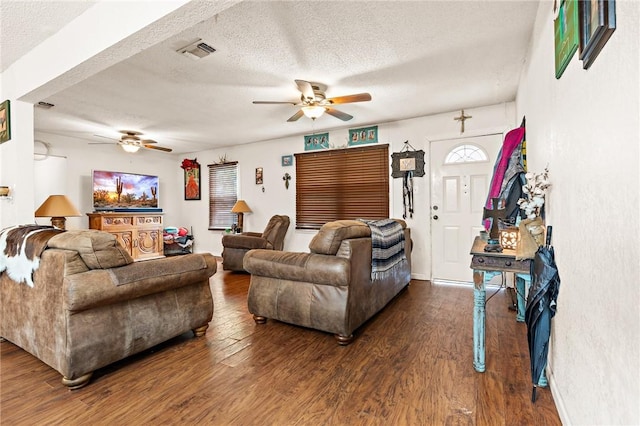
100 143
306 89
339 114
145 141
106 137
159 148
273 102
360 97
296 116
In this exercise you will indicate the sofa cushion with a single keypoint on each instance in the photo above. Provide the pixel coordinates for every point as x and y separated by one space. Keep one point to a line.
330 236
98 249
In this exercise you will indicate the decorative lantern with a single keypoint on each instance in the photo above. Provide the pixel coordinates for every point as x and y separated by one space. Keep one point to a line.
509 238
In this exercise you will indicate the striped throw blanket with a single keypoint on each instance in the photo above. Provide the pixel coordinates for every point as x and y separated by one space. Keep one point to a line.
20 250
387 241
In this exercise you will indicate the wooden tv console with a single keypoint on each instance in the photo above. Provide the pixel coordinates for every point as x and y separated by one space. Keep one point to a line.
139 233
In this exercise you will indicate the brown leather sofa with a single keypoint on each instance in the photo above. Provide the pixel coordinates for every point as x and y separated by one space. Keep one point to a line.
91 305
329 289
235 246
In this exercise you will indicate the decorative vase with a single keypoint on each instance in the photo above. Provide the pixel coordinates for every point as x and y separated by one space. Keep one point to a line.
537 232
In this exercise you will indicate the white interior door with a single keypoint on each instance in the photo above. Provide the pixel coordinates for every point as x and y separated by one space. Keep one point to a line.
459 188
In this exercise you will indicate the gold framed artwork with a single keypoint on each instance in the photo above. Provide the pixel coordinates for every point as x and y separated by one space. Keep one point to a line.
259 179
5 121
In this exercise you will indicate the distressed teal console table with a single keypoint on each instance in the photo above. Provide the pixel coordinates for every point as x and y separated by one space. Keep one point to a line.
486 266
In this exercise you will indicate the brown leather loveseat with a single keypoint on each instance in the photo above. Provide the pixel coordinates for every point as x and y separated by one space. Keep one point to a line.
91 305
329 289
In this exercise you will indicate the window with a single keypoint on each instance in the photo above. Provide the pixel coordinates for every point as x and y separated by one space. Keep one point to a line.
465 154
223 194
342 184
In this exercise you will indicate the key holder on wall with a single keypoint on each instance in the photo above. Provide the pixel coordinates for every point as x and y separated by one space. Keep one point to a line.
406 164
408 159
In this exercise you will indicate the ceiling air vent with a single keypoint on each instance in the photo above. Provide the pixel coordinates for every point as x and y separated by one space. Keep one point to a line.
196 50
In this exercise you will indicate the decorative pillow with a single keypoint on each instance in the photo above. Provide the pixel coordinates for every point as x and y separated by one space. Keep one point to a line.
330 236
98 249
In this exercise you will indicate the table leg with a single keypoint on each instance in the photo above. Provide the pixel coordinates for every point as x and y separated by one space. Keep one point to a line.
479 298
523 281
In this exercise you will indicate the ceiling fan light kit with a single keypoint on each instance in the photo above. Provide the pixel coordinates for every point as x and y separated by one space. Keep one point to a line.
130 148
313 111
313 102
130 142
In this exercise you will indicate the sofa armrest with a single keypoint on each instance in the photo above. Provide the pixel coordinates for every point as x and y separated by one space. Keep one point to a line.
102 287
306 267
243 241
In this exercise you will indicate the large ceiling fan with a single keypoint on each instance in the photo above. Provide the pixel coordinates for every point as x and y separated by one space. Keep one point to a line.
313 101
130 141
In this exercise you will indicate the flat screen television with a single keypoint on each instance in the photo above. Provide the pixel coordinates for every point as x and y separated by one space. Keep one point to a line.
121 192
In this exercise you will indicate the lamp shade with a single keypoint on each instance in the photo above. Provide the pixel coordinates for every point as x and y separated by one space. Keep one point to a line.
57 206
240 207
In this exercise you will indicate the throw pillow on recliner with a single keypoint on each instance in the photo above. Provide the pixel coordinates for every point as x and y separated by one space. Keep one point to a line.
98 249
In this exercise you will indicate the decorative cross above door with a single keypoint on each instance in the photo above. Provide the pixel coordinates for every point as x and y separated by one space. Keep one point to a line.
462 119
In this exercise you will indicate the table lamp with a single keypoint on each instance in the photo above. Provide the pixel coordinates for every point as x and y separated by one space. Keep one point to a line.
241 208
57 207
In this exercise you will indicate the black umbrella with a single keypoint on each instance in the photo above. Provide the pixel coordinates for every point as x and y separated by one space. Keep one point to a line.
541 307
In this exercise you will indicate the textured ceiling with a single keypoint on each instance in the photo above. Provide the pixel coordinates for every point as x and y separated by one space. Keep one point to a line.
25 24
414 58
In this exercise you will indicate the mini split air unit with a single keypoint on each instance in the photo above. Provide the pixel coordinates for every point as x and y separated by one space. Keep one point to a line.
196 50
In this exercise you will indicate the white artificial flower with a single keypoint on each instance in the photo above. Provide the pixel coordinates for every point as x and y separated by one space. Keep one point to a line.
534 189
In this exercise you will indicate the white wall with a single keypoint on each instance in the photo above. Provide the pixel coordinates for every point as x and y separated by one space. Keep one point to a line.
586 127
277 200
83 158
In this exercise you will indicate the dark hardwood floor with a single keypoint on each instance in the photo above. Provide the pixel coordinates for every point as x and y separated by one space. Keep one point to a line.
410 365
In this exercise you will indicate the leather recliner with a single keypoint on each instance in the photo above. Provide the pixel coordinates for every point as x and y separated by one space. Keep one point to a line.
235 246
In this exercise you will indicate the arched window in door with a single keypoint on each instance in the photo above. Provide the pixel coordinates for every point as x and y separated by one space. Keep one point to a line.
466 154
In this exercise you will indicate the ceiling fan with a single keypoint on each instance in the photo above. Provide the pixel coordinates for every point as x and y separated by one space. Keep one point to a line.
313 101
130 141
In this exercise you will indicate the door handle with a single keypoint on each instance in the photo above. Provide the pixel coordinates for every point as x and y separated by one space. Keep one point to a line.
435 217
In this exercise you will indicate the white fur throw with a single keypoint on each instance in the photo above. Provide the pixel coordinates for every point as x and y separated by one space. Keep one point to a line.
20 249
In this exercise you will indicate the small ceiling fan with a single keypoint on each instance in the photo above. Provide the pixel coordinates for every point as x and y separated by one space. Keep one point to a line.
130 142
313 101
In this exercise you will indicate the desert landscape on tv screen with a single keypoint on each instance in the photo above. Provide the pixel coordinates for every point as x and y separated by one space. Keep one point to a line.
113 190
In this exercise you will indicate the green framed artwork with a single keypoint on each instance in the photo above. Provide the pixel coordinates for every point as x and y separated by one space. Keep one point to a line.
363 135
5 121
317 141
566 29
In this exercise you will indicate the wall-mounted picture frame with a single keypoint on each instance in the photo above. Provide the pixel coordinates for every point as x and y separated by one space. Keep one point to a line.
191 179
407 161
5 121
597 24
317 141
287 160
259 177
566 30
363 135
